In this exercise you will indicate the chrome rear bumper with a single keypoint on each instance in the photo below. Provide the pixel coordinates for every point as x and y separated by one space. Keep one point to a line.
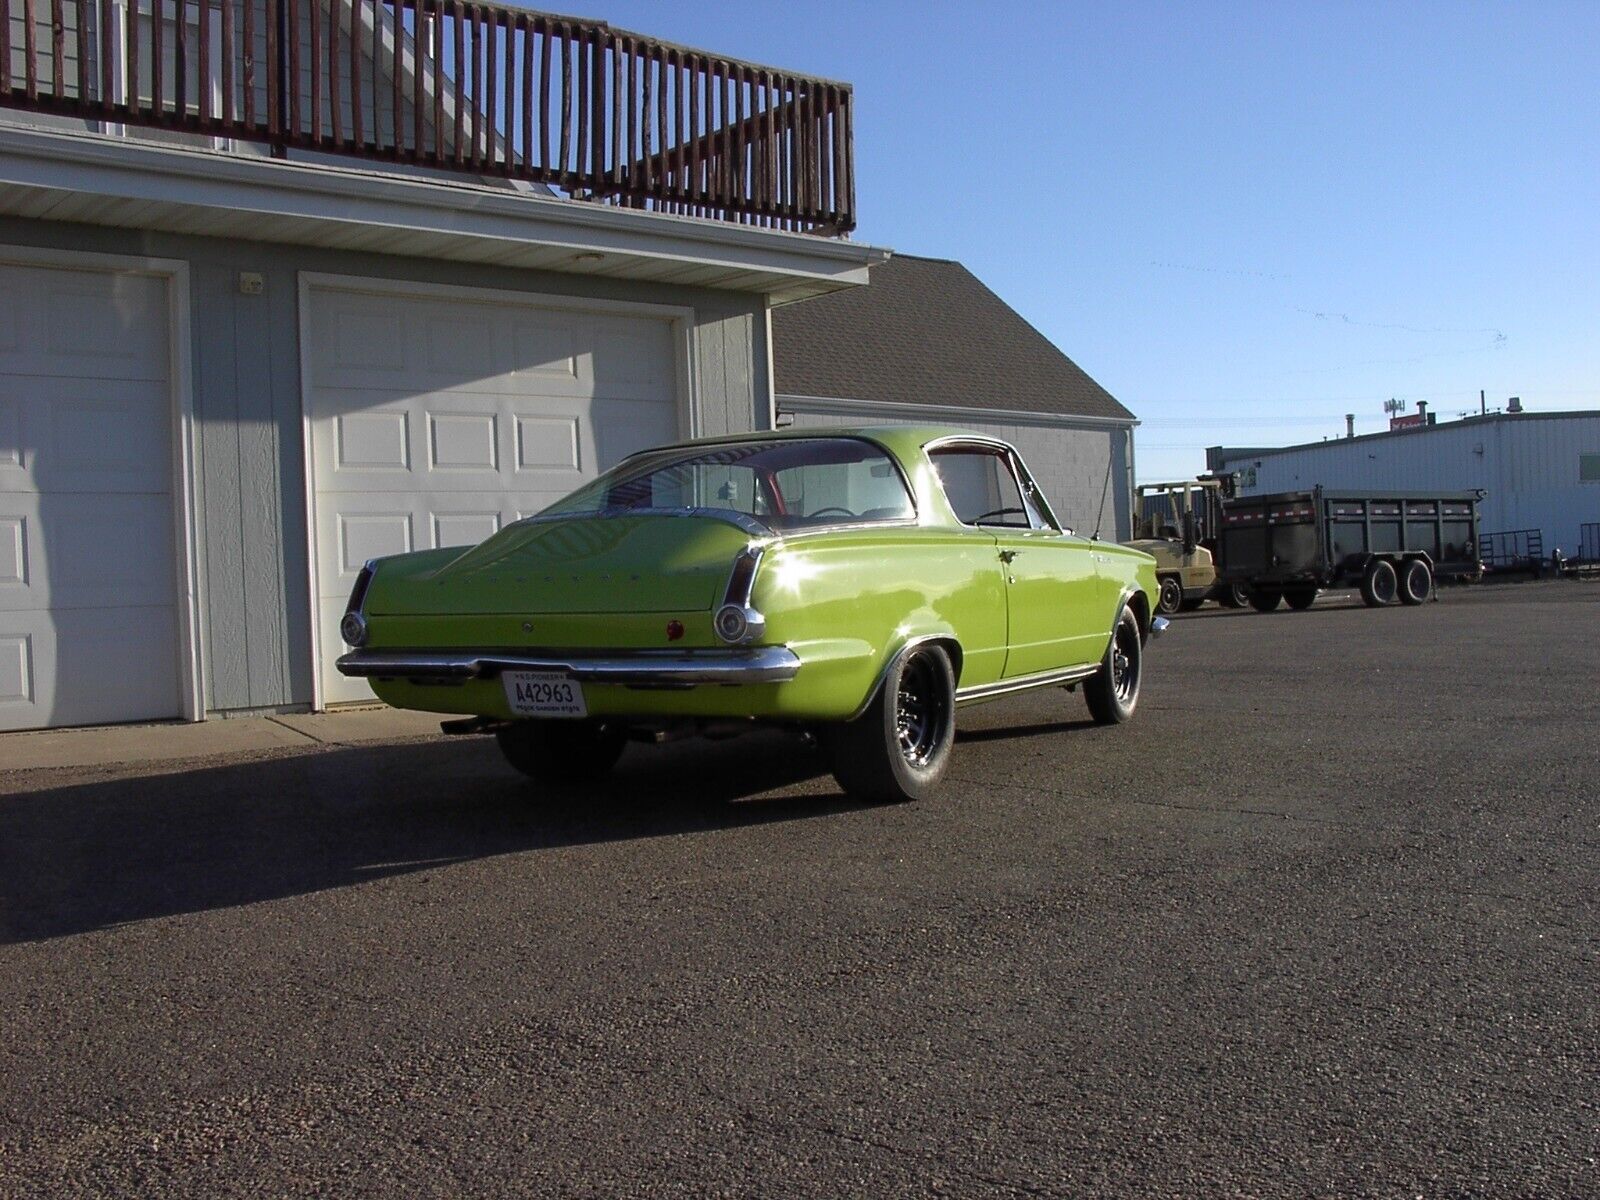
646 668
1159 626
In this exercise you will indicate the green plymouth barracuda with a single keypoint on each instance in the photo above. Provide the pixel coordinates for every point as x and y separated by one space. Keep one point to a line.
859 585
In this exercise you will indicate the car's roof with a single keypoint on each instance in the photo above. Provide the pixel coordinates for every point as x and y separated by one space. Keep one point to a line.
903 441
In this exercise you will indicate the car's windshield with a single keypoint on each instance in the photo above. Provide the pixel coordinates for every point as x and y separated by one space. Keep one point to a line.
784 483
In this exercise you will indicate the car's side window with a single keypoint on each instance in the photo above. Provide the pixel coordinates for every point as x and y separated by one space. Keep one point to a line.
981 488
867 488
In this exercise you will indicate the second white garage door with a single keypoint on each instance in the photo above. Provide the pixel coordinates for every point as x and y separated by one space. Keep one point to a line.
434 420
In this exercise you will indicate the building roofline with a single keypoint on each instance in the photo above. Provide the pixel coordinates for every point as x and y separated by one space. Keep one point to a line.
1221 454
845 406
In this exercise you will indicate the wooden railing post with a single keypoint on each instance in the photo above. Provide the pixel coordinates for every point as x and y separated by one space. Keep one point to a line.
278 82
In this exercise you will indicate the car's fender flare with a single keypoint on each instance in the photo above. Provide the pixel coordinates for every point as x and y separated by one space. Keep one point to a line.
945 638
1131 598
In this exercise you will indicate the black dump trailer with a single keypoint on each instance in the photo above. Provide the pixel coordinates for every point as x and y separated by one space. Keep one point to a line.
1392 545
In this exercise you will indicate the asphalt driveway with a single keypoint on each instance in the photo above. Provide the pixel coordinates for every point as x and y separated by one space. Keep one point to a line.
1322 920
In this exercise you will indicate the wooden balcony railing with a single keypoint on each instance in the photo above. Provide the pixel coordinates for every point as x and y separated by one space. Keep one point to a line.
481 89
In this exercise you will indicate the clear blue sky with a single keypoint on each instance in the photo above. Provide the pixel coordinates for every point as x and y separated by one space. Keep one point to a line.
1245 220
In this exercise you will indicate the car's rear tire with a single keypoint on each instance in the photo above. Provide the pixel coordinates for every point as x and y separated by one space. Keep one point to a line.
1171 597
562 752
1113 690
899 748
1416 582
1265 599
1379 584
1300 598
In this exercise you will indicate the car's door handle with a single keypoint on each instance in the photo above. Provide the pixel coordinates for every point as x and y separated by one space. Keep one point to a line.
1007 555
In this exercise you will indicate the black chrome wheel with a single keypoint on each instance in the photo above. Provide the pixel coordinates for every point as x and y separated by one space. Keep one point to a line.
1125 662
1113 690
899 748
921 711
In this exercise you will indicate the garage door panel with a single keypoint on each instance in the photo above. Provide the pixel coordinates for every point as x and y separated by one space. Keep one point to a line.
466 528
14 529
91 551
84 325
546 350
88 666
16 672
104 653
61 434
465 440
621 427
373 441
494 417
366 527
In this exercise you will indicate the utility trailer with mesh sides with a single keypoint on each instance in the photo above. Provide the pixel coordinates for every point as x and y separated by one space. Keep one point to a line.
1392 545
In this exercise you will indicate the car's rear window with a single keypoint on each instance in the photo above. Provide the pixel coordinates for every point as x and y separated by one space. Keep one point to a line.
784 483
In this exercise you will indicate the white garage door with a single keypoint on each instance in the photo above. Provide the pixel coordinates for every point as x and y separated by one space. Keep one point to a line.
436 420
88 572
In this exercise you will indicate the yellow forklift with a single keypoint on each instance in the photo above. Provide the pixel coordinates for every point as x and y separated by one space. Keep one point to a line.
1178 524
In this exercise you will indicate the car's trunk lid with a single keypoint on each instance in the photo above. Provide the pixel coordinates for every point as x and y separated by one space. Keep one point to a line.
581 564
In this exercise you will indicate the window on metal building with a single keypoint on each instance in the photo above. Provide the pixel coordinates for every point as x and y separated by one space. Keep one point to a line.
1589 468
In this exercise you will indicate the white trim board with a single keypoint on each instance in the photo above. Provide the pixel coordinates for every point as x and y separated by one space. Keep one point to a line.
943 414
127 182
191 643
679 319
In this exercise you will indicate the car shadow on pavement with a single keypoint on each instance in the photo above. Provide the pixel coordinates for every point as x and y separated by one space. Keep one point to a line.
1009 732
109 852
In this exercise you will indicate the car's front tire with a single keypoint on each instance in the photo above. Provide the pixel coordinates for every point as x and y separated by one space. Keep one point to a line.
899 748
562 753
1170 599
1113 690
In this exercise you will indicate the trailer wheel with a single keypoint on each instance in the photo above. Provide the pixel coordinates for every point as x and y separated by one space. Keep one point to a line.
1300 598
1416 582
1171 598
1379 584
1235 595
1265 599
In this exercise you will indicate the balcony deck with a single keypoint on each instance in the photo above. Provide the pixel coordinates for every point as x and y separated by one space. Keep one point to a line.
596 114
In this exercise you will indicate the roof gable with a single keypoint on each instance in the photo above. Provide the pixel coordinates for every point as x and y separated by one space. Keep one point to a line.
927 331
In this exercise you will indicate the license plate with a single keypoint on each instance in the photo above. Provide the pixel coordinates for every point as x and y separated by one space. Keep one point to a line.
543 694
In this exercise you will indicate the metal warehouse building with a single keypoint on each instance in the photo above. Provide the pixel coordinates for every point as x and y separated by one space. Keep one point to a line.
1540 472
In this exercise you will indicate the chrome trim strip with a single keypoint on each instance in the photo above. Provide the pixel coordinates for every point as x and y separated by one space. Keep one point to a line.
1023 683
683 668
727 516
737 595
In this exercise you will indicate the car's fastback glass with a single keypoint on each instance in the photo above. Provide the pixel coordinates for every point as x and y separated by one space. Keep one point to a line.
785 483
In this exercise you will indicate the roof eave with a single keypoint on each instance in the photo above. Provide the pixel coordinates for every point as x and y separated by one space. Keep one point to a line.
105 180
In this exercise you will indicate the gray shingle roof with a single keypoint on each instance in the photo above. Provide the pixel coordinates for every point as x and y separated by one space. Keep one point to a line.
927 331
